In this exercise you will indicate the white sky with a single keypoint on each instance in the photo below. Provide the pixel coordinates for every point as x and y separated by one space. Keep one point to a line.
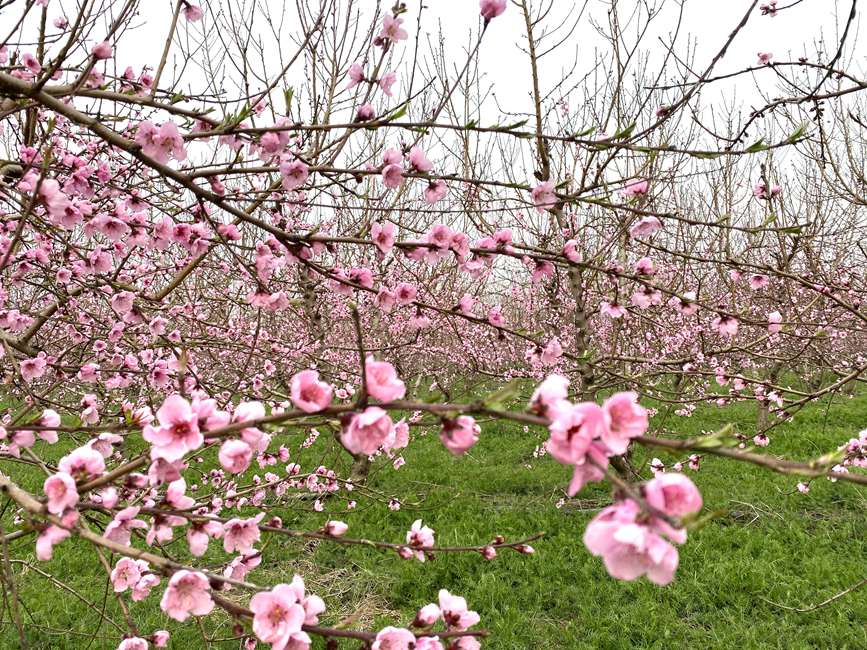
706 24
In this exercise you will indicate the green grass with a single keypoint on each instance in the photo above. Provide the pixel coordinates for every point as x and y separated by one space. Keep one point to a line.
771 545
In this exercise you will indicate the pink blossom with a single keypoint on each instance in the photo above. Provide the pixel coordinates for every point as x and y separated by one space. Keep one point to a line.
635 188
47 540
235 456
759 281
571 252
393 638
160 638
392 176
335 528
552 352
385 300
356 75
673 494
495 316
455 612
612 309
50 418
550 396
33 368
405 293
386 82
120 528
382 381
392 30
199 535
760 190
769 9
765 58
543 196
419 536
294 172
193 13
429 643
31 63
277 615
626 419
573 428
399 436
367 431
102 50
726 325
308 393
240 535
435 191
490 9
178 432
775 320
418 160
127 573
61 493
629 549
365 113
427 615
645 227
160 143
383 236
83 463
187 593
133 643
459 434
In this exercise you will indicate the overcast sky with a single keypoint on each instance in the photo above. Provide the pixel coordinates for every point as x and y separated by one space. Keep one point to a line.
706 24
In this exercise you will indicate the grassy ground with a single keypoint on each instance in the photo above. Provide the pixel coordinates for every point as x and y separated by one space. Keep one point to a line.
771 546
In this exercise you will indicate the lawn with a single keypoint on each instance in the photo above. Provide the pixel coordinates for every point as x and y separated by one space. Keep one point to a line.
769 545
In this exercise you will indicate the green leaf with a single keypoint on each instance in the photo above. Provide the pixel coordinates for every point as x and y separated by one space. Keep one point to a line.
287 95
792 230
471 124
707 155
512 127
757 146
399 113
624 133
585 132
797 134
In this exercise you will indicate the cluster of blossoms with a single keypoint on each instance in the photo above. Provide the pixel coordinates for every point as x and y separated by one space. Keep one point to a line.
634 536
585 435
633 539
452 611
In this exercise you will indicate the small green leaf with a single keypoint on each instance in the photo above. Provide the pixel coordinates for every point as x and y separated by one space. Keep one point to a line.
471 124
585 132
797 134
287 95
512 127
399 113
707 155
624 133
757 146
